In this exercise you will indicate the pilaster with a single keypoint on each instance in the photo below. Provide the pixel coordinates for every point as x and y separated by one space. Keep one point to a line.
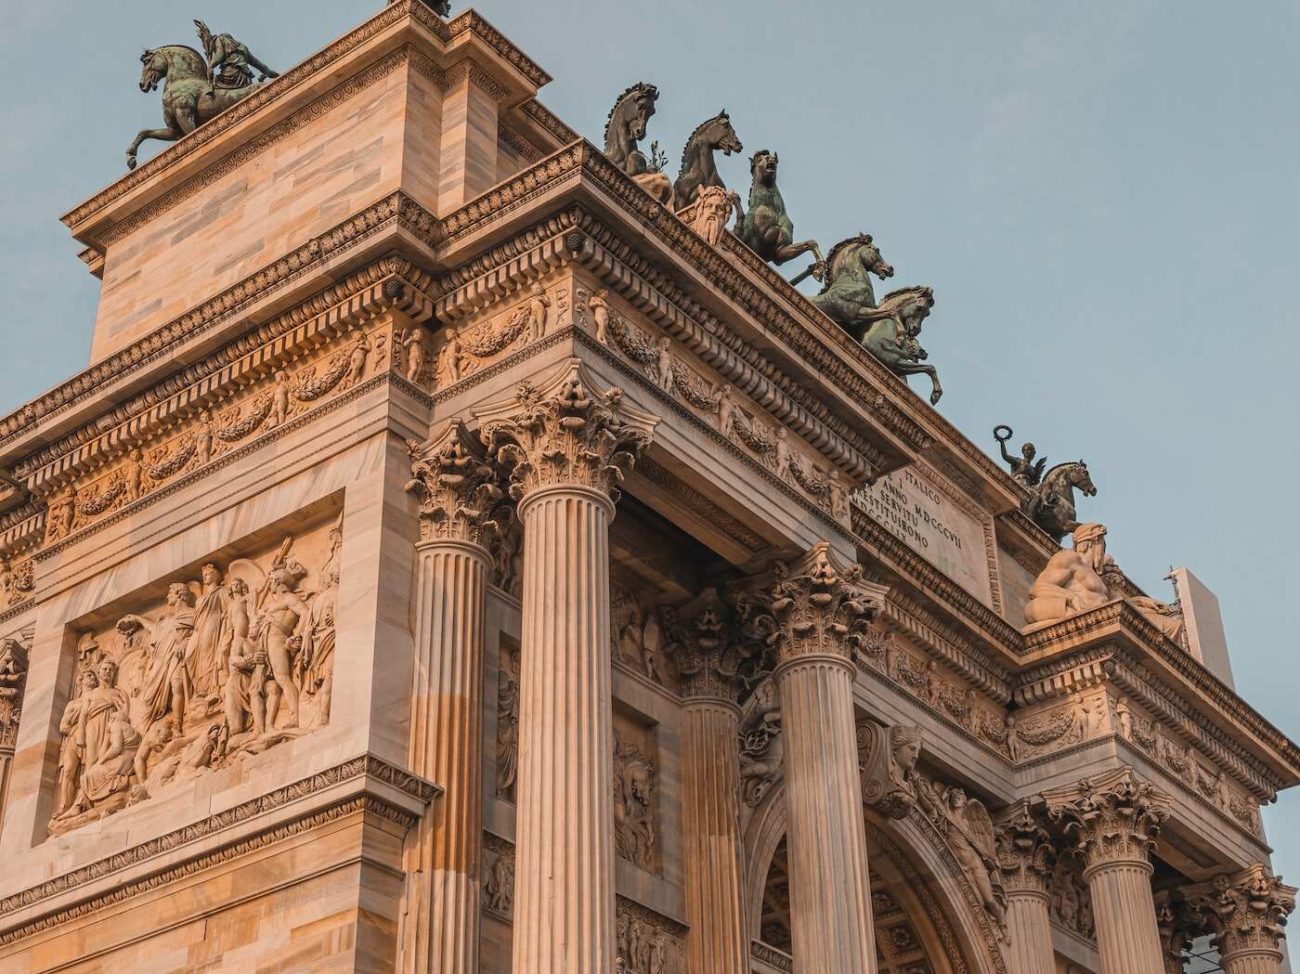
567 447
1115 819
815 612
709 662
458 496
1026 855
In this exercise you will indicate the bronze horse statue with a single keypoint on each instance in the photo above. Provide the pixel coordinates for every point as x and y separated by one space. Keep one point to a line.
766 228
889 330
625 127
1050 505
698 167
189 96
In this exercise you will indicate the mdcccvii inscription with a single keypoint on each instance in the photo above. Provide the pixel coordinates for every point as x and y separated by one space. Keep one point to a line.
909 505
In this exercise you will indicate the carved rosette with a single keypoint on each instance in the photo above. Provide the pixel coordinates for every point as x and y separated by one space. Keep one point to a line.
1247 913
563 434
819 606
457 490
1115 818
1025 851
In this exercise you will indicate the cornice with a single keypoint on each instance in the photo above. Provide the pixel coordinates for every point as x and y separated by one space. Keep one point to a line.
549 122
358 770
394 210
472 22
974 664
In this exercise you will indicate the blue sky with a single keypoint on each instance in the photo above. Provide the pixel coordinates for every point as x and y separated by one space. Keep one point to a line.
1102 195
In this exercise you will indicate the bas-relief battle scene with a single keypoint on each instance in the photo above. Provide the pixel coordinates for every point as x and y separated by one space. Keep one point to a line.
691 613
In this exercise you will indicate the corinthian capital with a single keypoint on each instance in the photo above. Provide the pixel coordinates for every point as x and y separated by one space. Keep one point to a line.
819 606
1246 911
1114 817
711 661
1025 850
457 490
564 433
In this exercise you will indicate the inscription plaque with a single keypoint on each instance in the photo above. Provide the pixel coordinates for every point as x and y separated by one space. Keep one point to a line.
912 505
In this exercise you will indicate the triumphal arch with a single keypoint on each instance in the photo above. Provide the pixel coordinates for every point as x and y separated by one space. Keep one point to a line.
467 551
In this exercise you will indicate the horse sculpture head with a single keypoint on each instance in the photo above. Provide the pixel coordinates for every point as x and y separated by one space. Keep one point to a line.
854 254
1080 478
630 116
762 166
155 69
718 133
910 306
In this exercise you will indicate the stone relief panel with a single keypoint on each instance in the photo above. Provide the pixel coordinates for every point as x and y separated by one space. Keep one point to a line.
1079 717
17 581
1070 901
647 942
734 417
967 828
507 744
761 744
197 437
1186 764
639 635
498 876
461 351
227 662
636 794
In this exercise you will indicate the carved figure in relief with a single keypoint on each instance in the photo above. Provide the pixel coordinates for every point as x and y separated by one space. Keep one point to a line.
414 345
316 653
195 90
246 682
507 724
207 656
634 783
539 312
451 357
663 369
167 685
712 207
357 357
280 399
203 437
699 172
765 226
280 630
968 827
59 518
726 410
624 129
70 750
598 304
499 887
133 475
1025 469
1124 718
781 454
1071 582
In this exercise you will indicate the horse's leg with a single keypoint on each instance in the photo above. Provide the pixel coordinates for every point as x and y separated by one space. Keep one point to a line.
912 368
162 135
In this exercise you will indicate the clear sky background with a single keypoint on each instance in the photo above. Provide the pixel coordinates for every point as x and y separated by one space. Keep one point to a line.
1101 194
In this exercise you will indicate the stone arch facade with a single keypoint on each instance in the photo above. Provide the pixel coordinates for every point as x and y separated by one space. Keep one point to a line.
926 896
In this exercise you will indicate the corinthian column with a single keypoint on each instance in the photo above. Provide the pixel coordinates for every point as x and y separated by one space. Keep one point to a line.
568 446
1247 913
1115 819
457 494
709 664
814 613
1025 853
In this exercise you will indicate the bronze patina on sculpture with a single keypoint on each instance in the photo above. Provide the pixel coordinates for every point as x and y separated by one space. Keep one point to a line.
699 170
1050 499
624 129
765 227
196 88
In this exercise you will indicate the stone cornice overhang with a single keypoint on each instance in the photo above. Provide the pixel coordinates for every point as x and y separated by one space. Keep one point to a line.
1135 654
805 356
402 24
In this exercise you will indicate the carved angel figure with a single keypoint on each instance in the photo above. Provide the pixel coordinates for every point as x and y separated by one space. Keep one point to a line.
968 827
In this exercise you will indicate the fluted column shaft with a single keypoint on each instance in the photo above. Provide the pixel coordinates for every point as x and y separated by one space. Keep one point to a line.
564 858
1029 932
711 837
1125 913
1254 961
441 934
830 889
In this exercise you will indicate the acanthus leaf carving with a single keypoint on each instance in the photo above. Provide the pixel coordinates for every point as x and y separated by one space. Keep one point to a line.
1246 911
1114 818
565 434
457 490
1026 852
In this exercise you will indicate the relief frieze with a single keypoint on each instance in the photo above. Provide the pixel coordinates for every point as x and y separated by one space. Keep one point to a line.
236 658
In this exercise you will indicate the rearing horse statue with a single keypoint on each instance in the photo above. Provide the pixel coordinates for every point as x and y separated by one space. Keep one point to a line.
766 228
1050 505
189 97
625 127
890 331
698 167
